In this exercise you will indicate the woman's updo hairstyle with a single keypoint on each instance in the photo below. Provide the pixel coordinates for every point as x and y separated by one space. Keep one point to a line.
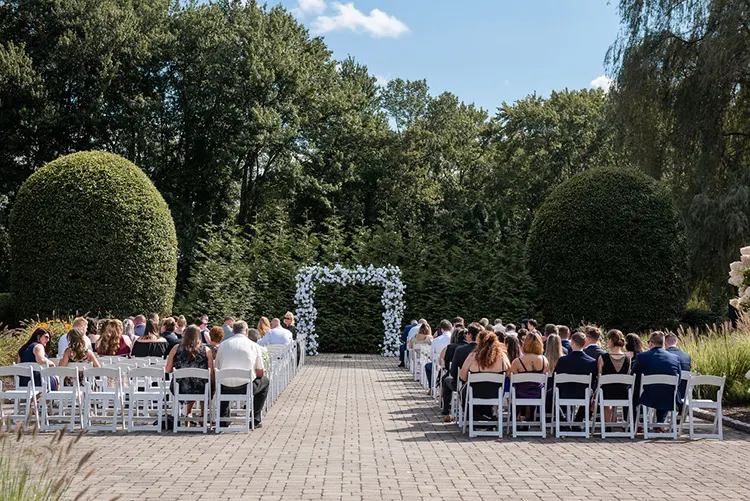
617 338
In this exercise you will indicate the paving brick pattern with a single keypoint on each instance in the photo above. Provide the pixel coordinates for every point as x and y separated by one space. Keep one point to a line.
359 428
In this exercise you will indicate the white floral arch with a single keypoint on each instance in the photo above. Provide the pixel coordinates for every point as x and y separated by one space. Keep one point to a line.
388 277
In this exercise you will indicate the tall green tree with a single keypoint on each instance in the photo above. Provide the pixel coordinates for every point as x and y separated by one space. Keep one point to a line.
682 104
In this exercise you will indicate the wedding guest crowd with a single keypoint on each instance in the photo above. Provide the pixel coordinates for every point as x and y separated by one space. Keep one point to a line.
499 348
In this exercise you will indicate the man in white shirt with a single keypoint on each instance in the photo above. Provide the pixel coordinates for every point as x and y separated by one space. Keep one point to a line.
441 341
242 352
80 325
277 335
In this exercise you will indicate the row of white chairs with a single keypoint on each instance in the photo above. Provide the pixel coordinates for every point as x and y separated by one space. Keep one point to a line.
560 416
99 398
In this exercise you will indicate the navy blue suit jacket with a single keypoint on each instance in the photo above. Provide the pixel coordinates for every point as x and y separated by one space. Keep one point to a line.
686 364
594 351
405 333
566 344
575 362
657 361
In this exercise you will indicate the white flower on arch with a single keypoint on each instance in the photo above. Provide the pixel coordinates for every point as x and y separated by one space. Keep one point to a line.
388 277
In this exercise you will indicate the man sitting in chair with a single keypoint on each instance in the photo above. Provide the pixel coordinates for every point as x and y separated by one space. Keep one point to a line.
656 360
576 362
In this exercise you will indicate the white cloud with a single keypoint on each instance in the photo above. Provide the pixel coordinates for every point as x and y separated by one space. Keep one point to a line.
377 23
381 80
305 7
601 82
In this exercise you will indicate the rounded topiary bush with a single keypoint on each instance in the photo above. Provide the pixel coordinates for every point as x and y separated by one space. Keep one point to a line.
608 246
89 232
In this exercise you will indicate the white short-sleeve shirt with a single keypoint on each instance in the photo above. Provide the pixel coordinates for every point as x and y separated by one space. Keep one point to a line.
62 344
238 352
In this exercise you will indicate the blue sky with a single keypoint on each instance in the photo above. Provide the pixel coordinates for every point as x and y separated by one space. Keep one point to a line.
484 51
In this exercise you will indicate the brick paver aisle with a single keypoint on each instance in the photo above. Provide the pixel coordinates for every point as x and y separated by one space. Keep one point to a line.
360 428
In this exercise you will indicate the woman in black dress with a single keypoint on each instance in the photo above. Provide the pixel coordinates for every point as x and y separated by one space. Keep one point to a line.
614 362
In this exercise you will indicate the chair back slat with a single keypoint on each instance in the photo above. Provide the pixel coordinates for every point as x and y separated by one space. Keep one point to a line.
573 378
660 379
485 377
191 372
708 381
526 377
224 374
616 379
16 371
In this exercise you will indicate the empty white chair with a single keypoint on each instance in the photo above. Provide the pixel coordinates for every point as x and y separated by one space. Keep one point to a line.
628 424
540 403
692 403
649 414
558 403
35 367
23 398
146 395
66 398
103 399
244 401
183 398
496 383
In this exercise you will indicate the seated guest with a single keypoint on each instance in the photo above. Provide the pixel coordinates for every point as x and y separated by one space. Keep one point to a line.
264 325
441 341
167 332
289 324
531 326
458 338
139 325
202 323
457 322
488 356
181 322
34 351
150 344
512 348
155 317
686 363
402 347
510 330
614 362
128 330
423 337
532 361
227 326
553 352
656 360
80 324
191 353
76 352
215 337
92 330
459 356
592 347
564 333
111 341
550 329
522 337
498 326
576 362
633 345
277 335
414 331
484 322
241 351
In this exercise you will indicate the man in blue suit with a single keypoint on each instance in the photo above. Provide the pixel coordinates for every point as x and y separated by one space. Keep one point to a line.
579 363
656 360
402 348
686 363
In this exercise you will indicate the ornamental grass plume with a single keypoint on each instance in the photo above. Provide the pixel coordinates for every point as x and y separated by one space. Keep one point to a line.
721 350
33 468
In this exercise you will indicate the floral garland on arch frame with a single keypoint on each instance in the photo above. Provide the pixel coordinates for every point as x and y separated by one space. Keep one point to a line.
739 276
388 277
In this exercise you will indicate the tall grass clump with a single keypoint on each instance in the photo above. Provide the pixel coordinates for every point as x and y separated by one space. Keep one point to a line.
35 468
720 350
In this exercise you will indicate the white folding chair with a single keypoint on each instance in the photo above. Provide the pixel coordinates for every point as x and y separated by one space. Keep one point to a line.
628 425
103 399
184 398
146 395
692 403
457 411
244 401
540 403
23 397
570 404
66 398
158 361
497 382
649 413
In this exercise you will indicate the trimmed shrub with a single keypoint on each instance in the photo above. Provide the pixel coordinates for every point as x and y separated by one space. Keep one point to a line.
607 246
89 232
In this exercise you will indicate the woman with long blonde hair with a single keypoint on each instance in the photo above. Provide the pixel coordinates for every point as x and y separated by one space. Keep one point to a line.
264 325
111 341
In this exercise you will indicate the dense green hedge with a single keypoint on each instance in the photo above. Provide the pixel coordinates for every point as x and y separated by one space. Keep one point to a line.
7 315
89 232
608 246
